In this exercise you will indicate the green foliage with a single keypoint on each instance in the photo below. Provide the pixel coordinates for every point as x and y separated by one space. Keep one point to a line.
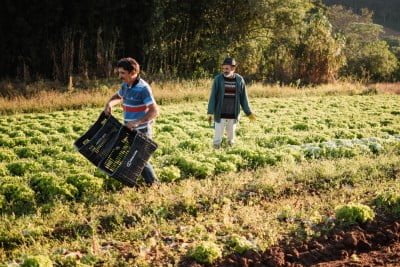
240 244
321 52
300 127
280 140
109 184
389 202
86 184
191 145
17 197
384 12
57 171
7 155
374 60
368 57
37 261
6 141
205 252
288 41
223 167
49 187
194 168
20 168
2 202
110 222
354 213
170 174
25 152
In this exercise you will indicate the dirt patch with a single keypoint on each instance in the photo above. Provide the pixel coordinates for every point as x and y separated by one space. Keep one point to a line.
373 244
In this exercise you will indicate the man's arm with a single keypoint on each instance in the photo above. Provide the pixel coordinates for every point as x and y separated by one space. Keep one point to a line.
212 100
114 100
152 113
244 101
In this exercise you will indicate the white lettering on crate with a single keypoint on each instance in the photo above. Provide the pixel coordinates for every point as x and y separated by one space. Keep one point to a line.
131 159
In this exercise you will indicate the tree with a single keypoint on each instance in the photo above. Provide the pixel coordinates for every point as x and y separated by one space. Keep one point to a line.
320 52
368 57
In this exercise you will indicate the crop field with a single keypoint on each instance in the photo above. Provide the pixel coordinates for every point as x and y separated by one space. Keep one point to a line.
285 178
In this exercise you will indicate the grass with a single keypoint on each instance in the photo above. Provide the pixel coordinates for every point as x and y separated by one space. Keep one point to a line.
47 100
160 225
306 155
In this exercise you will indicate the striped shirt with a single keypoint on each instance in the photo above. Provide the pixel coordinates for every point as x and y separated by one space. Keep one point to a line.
136 99
228 105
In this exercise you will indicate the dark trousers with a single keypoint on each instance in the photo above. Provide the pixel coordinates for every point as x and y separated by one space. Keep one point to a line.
148 173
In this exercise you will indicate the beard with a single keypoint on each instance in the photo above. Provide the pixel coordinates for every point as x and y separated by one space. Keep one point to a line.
228 74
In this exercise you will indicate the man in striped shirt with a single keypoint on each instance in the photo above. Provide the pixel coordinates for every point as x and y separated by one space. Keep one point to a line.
138 104
228 94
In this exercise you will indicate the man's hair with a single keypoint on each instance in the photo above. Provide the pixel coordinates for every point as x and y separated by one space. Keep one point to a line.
129 64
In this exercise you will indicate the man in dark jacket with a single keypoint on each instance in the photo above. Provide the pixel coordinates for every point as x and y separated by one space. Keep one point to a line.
228 94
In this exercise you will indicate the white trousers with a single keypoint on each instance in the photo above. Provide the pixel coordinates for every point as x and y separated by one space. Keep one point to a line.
230 125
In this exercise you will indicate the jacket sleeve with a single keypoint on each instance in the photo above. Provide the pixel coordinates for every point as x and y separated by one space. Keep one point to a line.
244 101
213 96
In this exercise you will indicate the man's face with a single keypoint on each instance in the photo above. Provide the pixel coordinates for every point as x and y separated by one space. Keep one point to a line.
124 75
228 70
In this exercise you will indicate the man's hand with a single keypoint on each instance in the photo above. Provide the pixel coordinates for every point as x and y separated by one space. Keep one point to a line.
114 100
210 117
132 125
108 109
252 117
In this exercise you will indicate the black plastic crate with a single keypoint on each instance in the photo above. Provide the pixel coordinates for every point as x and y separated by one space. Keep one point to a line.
128 156
98 141
84 139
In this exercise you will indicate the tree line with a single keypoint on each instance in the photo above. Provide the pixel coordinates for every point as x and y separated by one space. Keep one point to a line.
386 12
291 41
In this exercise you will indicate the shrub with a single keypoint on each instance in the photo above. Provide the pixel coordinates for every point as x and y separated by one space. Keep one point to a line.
232 158
277 141
2 202
109 223
22 167
6 141
49 187
205 252
191 145
287 214
109 183
86 184
170 174
27 152
194 168
17 197
257 159
16 134
7 155
300 127
390 202
354 213
240 244
167 128
375 148
21 141
37 261
64 129
374 59
51 151
221 167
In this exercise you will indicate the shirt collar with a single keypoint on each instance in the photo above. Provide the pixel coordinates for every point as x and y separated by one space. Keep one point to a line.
134 83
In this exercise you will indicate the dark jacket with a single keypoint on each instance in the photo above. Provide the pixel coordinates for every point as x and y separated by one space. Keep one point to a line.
217 97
